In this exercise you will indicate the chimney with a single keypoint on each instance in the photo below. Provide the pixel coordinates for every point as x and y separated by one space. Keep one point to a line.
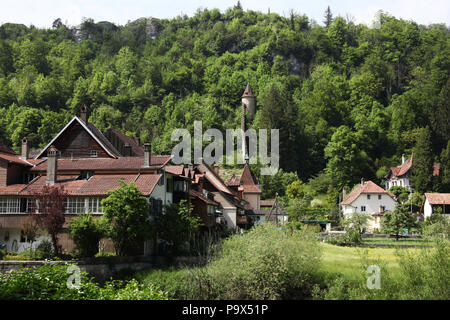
216 168
127 150
83 113
25 150
51 165
240 191
362 181
403 158
147 155
200 184
344 194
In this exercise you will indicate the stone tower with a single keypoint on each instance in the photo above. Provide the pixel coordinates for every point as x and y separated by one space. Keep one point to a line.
248 102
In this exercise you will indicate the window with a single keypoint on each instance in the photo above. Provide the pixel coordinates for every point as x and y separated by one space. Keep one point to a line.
156 205
368 197
363 208
383 208
74 205
9 205
379 197
86 174
94 205
94 154
179 186
161 181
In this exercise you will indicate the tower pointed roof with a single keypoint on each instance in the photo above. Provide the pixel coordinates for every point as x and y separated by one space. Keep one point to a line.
248 91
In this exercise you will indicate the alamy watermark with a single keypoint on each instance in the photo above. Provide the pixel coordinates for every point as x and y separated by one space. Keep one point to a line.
213 152
374 280
74 280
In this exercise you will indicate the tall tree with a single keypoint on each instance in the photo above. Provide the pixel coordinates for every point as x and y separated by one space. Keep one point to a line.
422 170
445 169
328 18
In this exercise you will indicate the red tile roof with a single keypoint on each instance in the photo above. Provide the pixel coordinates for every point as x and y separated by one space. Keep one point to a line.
98 185
249 181
248 91
367 187
124 163
202 197
438 198
234 181
177 170
15 159
5 149
436 169
404 168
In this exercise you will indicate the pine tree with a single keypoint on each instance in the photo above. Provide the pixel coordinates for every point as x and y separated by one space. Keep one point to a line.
422 170
328 18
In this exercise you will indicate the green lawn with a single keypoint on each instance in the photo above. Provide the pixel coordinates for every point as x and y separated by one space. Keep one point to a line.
346 260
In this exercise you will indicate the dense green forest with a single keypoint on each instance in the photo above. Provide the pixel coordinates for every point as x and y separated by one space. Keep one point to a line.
348 99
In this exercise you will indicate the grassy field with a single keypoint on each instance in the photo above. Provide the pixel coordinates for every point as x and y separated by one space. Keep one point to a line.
346 260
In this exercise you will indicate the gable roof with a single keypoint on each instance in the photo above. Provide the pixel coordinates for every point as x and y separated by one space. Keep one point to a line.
5 149
137 149
402 169
438 198
213 177
14 159
366 188
93 132
248 91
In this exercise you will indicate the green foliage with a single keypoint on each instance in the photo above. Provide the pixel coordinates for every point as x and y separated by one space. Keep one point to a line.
265 263
176 225
127 213
402 193
151 76
423 276
422 171
437 227
396 221
86 232
357 221
49 282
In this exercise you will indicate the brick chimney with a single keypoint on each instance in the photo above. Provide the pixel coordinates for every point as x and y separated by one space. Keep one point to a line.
25 150
147 155
83 113
362 181
51 165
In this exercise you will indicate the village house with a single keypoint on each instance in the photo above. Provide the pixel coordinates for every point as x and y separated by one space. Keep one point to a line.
401 175
371 199
88 164
432 202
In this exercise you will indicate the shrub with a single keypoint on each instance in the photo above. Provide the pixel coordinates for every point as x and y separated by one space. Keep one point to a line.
49 282
2 254
44 250
87 232
264 263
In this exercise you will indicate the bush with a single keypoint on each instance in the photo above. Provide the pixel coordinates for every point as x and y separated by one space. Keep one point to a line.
49 282
44 250
264 263
2 254
87 232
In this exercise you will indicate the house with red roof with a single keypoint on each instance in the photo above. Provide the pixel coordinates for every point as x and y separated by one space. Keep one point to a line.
371 199
401 175
434 201
87 164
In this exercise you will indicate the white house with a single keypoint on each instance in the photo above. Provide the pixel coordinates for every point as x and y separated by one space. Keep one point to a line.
371 199
432 201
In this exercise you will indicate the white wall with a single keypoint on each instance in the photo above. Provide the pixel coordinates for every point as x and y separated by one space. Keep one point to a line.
160 192
399 182
427 209
372 205
14 238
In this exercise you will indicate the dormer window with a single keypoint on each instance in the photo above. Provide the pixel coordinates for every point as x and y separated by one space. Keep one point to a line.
86 174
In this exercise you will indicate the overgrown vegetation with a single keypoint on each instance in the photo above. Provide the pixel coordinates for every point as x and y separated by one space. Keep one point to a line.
50 282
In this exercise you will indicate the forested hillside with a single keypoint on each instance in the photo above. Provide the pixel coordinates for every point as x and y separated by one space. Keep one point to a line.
348 99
